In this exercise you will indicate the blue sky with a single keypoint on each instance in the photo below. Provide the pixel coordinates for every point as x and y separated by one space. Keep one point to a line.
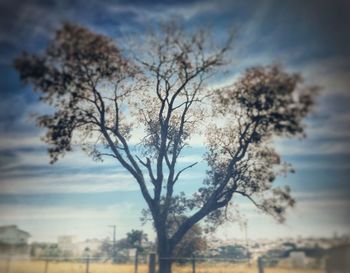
81 197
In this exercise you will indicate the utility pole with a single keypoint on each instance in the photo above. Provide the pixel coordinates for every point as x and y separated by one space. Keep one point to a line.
114 243
246 240
246 234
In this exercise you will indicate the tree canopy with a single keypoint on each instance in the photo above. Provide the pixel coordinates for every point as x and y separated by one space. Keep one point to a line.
142 108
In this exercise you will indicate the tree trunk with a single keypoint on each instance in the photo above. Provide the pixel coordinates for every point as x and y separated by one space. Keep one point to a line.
164 253
164 265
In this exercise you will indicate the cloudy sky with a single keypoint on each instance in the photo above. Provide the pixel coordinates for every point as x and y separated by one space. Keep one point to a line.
80 197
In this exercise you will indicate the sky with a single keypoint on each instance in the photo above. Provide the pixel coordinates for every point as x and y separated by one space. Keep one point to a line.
77 196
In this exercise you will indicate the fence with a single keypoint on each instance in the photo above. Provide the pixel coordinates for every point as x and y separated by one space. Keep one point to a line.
89 264
195 261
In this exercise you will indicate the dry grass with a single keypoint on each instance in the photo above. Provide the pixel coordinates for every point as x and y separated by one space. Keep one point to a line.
70 267
236 268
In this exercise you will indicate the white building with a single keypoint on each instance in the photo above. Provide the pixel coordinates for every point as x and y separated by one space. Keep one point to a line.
94 246
14 242
70 246
12 235
66 243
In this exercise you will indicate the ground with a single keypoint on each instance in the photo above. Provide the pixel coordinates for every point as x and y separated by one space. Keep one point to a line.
71 267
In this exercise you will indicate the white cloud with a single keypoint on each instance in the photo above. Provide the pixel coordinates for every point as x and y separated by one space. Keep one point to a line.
316 214
163 12
34 212
329 193
331 74
306 147
190 158
68 183
17 141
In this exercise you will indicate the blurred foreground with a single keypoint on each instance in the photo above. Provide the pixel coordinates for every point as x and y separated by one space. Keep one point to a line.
136 254
72 267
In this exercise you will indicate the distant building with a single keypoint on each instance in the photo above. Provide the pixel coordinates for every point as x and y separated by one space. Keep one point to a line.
66 244
303 258
338 259
94 246
44 250
69 246
299 259
12 235
14 242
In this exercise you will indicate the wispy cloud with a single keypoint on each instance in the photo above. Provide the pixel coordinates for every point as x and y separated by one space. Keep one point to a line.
79 183
83 222
266 32
29 172
32 212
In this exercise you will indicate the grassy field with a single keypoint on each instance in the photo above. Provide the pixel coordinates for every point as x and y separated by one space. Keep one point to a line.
65 267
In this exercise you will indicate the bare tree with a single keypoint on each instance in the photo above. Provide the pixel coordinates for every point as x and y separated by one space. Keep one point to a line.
103 99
